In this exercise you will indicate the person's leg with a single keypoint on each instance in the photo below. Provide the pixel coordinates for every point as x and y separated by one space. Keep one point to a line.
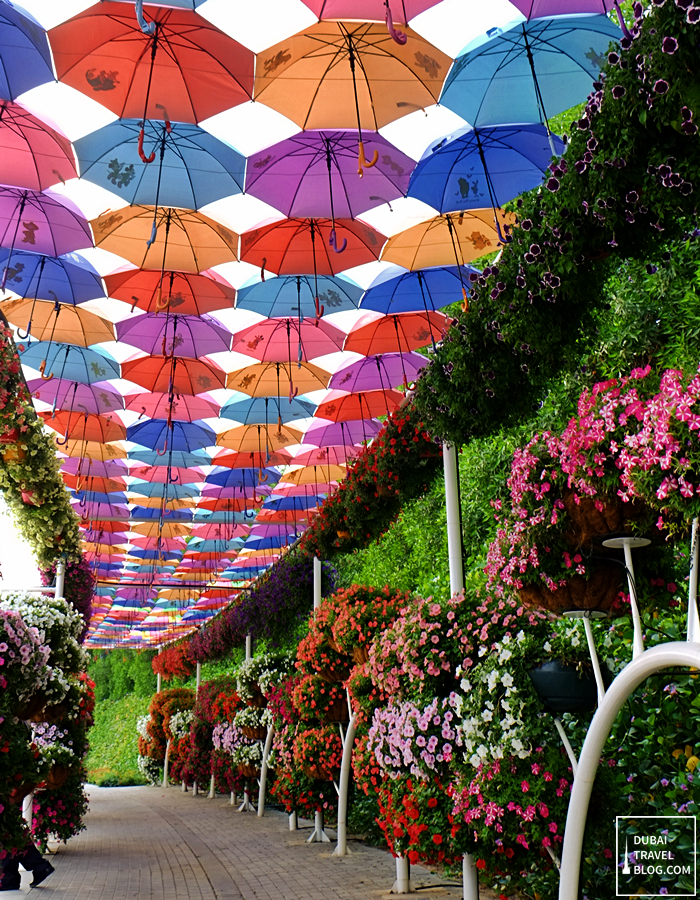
10 880
34 862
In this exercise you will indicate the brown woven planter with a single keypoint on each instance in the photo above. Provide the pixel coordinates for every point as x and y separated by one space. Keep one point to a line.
255 734
360 654
248 771
384 490
333 645
52 714
17 794
316 772
31 709
257 701
57 777
337 712
597 592
336 675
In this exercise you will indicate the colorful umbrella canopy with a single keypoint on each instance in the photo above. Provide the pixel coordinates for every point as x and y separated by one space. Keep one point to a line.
32 221
180 407
448 240
94 483
159 434
187 241
325 456
226 478
313 474
252 438
25 58
314 173
235 460
47 321
341 407
190 169
398 333
539 9
68 362
273 379
182 336
177 459
33 155
264 410
84 427
297 295
387 370
478 167
529 72
165 373
185 70
166 474
426 289
69 279
342 432
349 74
92 449
311 246
368 10
89 468
281 340
181 292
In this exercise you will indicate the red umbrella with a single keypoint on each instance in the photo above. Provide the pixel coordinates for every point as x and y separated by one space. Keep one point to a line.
247 460
182 408
311 246
77 426
283 340
180 292
396 334
341 407
33 155
184 70
229 504
184 376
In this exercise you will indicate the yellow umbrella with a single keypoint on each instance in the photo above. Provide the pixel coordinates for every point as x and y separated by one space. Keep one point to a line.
257 438
167 529
93 450
447 240
179 595
278 379
315 474
58 322
171 503
184 241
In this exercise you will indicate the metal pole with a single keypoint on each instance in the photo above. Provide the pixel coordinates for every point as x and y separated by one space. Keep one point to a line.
293 822
318 835
60 576
158 683
637 641
600 684
454 518
402 885
693 617
263 770
317 582
28 809
212 789
567 744
470 878
199 676
348 744
165 764
249 646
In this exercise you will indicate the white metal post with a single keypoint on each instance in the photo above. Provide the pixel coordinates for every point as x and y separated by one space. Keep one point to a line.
158 683
402 885
246 806
567 744
60 577
348 744
165 764
317 582
195 786
212 788
318 835
28 809
199 676
249 646
293 821
627 543
600 684
263 770
454 518
693 617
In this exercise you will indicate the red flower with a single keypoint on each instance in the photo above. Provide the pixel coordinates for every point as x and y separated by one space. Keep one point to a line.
437 839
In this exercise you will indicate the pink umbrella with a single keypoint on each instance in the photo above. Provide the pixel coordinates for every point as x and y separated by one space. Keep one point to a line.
167 474
151 543
305 490
220 532
288 340
183 408
33 155
38 222
541 9
370 10
327 455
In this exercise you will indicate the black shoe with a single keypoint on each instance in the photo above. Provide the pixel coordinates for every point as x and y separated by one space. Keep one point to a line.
10 884
41 873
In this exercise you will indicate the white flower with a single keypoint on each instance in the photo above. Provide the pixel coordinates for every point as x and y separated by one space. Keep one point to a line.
507 680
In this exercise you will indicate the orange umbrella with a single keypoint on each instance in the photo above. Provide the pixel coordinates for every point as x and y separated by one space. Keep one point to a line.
341 407
188 241
180 292
185 376
84 427
399 333
151 529
92 450
94 483
258 438
311 246
314 474
170 503
272 379
252 460
66 324
447 240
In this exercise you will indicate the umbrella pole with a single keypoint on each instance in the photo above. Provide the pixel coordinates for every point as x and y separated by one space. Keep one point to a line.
154 50
425 307
22 204
319 308
450 229
21 336
489 185
154 227
538 92
165 251
332 240
362 162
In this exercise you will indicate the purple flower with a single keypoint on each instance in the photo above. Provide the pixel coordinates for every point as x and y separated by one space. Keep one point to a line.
618 92
669 45
661 86
693 15
553 185
613 58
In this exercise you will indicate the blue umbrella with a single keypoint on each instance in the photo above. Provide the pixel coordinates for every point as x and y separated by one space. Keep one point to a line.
66 279
96 497
214 546
529 72
294 503
295 295
156 554
68 362
224 518
157 489
25 58
174 515
227 478
269 543
266 410
190 168
242 574
175 458
480 167
159 433
425 289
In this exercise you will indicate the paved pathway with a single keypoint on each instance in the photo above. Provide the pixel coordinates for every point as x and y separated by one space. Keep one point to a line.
154 844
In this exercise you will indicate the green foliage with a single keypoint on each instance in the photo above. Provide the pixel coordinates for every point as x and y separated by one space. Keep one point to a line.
113 742
120 673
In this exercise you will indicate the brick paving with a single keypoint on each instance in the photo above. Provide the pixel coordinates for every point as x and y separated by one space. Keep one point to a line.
155 844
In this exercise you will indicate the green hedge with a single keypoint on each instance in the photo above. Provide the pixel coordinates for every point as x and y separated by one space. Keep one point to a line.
111 761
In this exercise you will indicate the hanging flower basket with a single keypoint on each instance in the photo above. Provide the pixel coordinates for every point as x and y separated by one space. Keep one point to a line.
337 712
57 777
598 592
334 674
52 714
384 490
257 700
562 688
248 771
317 773
360 654
254 734
31 709
12 453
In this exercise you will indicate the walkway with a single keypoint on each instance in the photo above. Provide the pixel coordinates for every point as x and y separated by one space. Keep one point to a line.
153 844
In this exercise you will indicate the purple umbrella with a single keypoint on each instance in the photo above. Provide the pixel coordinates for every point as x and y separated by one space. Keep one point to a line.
378 373
25 60
104 537
111 468
250 490
540 9
314 173
38 222
63 394
343 432
181 336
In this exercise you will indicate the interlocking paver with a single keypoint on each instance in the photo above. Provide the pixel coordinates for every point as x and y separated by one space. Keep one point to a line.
154 844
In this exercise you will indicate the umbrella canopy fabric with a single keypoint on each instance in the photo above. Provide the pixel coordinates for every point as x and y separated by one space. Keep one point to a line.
306 246
247 438
33 221
447 240
178 459
68 362
33 154
153 290
341 407
94 483
68 279
296 295
187 241
379 372
311 475
342 432
185 71
273 379
64 394
182 336
325 456
61 322
92 449
85 427
283 340
25 57
191 166
226 478
397 333
88 468
158 433
264 410
236 460
167 474
539 9
329 74
314 173
529 72
179 408
478 167
426 289
369 10
165 373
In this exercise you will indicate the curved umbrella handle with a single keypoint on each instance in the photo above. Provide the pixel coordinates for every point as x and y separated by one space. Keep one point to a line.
61 442
144 158
319 309
164 450
292 391
166 118
465 301
173 480
333 241
159 300
79 483
154 232
142 413
23 337
363 162
503 239
262 269
621 19
397 36
262 477
146 27
42 368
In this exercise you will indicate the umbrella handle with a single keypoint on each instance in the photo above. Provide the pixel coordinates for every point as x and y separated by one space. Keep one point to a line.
42 368
621 19
154 232
319 309
142 413
146 27
144 158
173 480
79 484
262 269
465 301
503 239
61 442
397 36
262 477
164 450
159 300
166 119
292 391
23 337
362 162
333 241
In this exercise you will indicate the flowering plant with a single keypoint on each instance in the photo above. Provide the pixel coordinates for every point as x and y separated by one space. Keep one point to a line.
24 659
251 717
280 702
316 651
362 612
59 813
179 724
174 661
228 737
365 696
23 763
318 752
60 627
151 770
313 697
258 675
248 754
207 707
226 777
297 792
54 745
13 829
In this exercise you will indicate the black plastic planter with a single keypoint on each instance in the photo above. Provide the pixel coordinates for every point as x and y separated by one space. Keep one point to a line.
562 689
